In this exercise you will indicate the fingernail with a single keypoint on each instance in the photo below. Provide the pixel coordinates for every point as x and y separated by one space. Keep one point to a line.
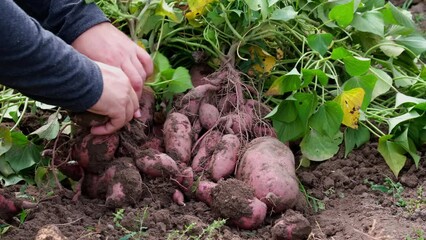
138 114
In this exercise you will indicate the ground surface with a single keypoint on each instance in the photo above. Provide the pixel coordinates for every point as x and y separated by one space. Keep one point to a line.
352 209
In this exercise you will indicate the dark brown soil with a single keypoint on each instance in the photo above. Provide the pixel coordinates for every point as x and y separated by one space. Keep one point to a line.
352 209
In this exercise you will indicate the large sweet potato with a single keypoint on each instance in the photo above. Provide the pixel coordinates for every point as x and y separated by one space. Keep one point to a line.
233 199
208 144
267 165
177 137
208 115
125 187
155 164
94 153
224 158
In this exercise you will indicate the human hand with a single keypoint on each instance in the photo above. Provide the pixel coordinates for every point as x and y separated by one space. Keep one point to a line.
105 43
118 101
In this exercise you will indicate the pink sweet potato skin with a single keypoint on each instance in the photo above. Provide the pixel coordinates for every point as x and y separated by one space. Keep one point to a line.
208 115
155 164
94 153
259 210
178 198
225 157
267 165
9 208
187 179
125 187
177 137
147 106
204 192
208 144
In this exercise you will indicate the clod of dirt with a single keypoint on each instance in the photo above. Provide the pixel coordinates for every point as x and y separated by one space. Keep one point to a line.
291 226
231 199
50 232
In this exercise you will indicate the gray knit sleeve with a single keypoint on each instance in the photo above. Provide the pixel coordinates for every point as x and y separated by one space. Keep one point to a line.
42 66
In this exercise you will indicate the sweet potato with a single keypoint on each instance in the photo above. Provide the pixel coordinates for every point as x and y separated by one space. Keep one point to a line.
237 123
9 208
207 145
228 103
178 198
177 137
125 187
88 119
94 153
187 179
155 164
198 92
261 129
233 199
204 192
224 157
198 73
267 165
95 186
208 115
147 106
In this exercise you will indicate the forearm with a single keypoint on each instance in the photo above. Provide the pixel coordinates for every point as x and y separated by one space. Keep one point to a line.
68 19
40 65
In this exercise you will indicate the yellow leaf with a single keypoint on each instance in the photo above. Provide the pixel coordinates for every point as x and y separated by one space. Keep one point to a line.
166 11
197 8
140 44
351 102
268 61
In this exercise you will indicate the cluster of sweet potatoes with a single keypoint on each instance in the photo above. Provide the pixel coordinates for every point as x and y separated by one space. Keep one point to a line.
214 145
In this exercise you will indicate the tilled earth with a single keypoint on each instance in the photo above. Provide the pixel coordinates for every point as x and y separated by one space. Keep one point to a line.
351 208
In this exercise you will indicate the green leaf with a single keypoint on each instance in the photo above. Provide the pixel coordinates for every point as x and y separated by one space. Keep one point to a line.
340 53
23 153
356 66
320 42
284 14
308 76
291 118
416 43
287 83
401 98
181 81
366 82
407 143
391 49
257 5
50 130
10 180
393 122
371 21
318 147
5 140
342 14
161 63
383 83
394 15
355 138
393 154
327 119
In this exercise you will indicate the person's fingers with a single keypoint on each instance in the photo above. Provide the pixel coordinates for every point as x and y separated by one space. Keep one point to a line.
139 68
135 79
110 127
146 61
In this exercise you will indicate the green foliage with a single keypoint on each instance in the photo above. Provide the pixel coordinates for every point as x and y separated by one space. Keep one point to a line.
130 233
392 188
310 53
206 233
